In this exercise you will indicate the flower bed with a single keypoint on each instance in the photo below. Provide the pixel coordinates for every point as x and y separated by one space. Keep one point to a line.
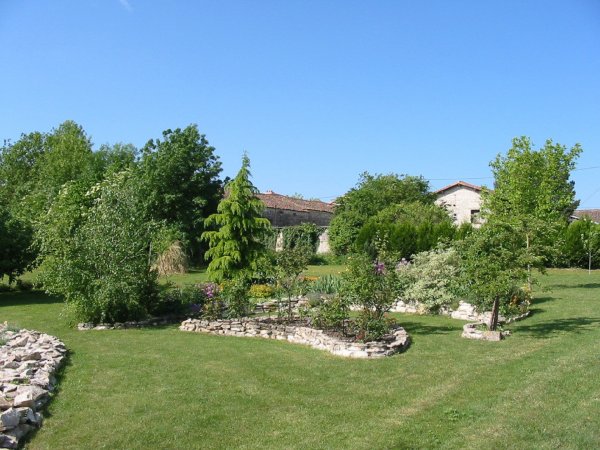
395 342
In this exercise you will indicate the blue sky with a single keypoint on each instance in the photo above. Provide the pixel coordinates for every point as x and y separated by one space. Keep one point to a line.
315 91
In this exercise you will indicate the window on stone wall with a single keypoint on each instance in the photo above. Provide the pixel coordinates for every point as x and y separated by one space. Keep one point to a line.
475 216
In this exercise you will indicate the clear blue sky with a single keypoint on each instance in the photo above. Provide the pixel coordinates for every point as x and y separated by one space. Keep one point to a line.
315 91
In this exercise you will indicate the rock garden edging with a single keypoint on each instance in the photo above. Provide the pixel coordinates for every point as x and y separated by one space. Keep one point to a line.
397 341
28 362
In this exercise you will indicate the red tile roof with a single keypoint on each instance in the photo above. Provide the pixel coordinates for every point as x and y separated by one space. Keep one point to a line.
593 214
278 201
459 183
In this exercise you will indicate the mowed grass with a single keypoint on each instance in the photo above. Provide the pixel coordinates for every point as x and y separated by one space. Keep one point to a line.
162 388
200 276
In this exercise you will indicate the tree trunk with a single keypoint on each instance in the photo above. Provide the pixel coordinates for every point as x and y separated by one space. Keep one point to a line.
494 318
590 263
529 283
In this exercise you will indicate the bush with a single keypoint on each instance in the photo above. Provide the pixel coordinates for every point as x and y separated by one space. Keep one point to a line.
213 307
94 247
235 296
373 286
24 285
431 278
331 314
177 301
261 291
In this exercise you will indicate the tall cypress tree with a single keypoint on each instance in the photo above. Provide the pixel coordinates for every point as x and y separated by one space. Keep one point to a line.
236 245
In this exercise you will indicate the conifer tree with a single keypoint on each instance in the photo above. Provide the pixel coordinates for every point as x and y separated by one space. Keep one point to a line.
236 245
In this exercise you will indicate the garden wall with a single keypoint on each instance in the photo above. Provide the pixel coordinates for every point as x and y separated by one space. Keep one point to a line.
268 328
28 362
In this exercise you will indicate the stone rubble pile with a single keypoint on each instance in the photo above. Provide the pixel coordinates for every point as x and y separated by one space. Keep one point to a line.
476 331
268 328
28 362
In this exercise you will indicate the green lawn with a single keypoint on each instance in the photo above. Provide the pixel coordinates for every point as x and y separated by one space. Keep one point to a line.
199 275
162 388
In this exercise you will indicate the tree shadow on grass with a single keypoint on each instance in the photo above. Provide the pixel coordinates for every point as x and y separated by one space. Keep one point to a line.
539 300
575 286
569 325
16 298
418 328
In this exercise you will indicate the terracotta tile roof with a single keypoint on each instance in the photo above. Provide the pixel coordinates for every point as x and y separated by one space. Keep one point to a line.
278 201
593 214
459 183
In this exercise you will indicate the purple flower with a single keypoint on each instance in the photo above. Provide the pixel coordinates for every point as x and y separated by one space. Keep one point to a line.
210 290
379 268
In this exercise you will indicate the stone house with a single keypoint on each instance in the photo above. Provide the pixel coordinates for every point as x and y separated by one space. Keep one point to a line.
463 202
592 214
283 211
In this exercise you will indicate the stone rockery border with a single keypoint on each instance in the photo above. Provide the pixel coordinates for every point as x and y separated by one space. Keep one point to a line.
28 362
397 341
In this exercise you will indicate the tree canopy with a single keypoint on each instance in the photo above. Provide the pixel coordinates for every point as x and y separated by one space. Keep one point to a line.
180 175
373 194
533 196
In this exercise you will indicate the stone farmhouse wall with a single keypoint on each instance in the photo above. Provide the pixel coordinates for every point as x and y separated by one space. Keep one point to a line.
463 202
288 218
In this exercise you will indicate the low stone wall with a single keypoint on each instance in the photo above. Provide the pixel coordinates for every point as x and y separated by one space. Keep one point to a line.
28 362
267 328
465 311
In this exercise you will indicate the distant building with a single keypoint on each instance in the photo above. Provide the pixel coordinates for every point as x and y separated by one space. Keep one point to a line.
462 201
284 211
592 214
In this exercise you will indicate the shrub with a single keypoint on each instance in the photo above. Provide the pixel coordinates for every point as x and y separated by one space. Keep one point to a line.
213 307
235 295
94 247
261 291
185 300
331 314
431 278
373 286
24 285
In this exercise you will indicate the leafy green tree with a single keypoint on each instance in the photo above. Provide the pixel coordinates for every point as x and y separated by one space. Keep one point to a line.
116 158
372 194
581 244
19 169
409 228
181 182
15 246
492 266
533 196
33 169
95 250
237 245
